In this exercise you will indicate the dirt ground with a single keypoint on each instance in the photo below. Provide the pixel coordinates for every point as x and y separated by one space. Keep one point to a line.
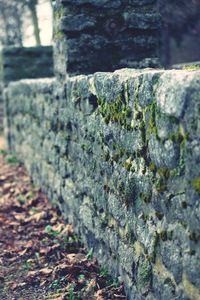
40 256
2 142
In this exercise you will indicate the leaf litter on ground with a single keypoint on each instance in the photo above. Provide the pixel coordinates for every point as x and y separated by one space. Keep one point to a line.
40 256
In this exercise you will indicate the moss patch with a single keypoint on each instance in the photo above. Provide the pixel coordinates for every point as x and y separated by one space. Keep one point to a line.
117 112
144 274
196 184
59 12
191 67
191 291
152 129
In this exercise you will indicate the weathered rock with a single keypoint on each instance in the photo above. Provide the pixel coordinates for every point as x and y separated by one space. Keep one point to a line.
22 63
93 36
119 153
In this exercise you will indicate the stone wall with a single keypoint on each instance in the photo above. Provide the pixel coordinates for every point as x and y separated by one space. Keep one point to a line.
105 35
31 62
18 63
119 153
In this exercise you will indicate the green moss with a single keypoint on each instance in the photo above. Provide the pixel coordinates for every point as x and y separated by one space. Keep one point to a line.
163 235
180 138
170 284
191 67
58 35
190 290
144 274
139 115
3 152
116 157
152 122
176 137
11 159
125 233
173 120
128 164
164 172
151 128
146 197
182 157
161 179
143 131
104 219
112 223
161 185
59 12
196 184
106 155
159 215
152 167
129 193
117 112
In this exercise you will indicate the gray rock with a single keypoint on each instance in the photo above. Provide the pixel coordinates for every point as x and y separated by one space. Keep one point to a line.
172 98
164 155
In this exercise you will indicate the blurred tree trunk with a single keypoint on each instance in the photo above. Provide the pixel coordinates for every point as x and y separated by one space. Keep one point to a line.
19 26
32 7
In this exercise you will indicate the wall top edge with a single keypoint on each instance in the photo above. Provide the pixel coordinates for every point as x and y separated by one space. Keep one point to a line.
123 74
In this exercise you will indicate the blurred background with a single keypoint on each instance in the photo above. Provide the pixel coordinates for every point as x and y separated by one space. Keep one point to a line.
180 32
29 23
25 22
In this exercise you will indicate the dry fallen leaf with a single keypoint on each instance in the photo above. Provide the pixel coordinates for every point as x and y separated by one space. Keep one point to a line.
68 230
61 269
32 273
76 258
99 295
21 253
43 282
45 271
19 217
2 218
13 285
12 223
58 296
37 217
45 250
28 245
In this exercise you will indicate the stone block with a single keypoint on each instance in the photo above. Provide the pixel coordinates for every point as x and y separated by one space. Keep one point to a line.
93 36
23 63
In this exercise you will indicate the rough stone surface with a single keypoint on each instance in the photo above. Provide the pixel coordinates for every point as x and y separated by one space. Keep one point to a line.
119 153
106 35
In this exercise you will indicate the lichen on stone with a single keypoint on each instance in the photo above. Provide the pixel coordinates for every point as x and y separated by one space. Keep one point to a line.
196 184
